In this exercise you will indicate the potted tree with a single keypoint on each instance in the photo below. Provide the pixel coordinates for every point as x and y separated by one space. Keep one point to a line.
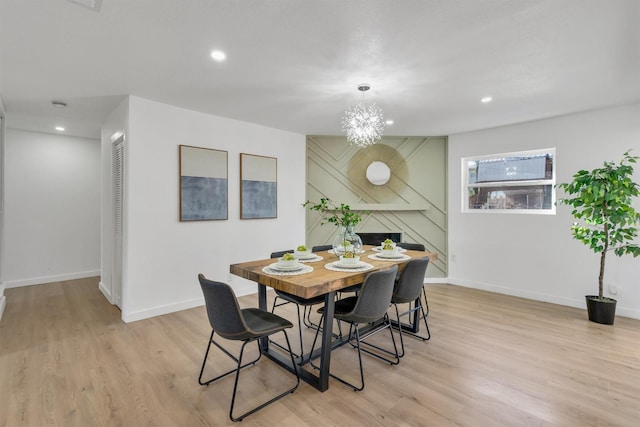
602 202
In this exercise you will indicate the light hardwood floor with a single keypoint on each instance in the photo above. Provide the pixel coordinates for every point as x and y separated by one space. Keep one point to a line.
66 359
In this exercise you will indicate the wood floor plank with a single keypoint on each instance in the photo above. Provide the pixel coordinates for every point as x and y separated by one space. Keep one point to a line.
66 359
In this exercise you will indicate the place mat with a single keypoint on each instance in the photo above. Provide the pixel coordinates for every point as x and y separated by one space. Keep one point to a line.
305 269
365 266
315 258
379 249
379 258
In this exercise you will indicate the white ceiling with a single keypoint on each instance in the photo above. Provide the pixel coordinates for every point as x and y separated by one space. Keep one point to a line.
295 64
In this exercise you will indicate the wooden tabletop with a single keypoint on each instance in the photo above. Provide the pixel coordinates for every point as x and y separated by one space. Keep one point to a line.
320 281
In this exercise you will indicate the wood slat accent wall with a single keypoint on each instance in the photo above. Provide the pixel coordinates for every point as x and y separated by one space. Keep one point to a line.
418 166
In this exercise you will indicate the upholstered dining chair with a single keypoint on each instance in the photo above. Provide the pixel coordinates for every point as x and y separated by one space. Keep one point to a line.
369 306
230 322
321 248
407 291
299 302
417 247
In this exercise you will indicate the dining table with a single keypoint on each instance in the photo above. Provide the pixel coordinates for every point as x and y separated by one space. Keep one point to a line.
320 274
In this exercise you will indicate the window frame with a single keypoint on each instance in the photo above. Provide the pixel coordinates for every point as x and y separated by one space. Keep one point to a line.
466 186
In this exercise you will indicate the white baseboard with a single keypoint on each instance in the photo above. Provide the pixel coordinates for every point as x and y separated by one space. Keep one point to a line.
3 303
436 280
106 292
49 279
554 299
132 316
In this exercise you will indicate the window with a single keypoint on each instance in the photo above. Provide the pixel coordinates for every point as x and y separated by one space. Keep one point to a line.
521 182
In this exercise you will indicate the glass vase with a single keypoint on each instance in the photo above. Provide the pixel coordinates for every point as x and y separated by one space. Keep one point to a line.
347 241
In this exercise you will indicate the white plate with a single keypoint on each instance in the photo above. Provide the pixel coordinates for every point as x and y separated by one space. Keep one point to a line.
294 267
307 256
391 256
341 265
379 249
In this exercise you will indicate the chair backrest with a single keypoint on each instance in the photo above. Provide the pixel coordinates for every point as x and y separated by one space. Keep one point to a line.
321 248
412 246
374 296
411 281
280 253
222 308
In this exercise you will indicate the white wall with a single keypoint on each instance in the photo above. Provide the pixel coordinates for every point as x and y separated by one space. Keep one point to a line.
534 256
52 199
3 285
165 255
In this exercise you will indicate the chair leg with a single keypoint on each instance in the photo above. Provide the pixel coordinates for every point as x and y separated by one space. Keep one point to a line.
352 329
298 356
313 345
386 324
426 302
306 318
279 396
225 351
423 315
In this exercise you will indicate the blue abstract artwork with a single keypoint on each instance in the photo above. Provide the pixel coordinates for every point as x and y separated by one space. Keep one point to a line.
258 199
258 186
204 198
204 187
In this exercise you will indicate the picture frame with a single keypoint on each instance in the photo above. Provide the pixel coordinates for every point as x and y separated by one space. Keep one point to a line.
258 186
204 184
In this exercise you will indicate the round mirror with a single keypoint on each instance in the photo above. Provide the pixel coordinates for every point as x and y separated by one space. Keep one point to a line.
378 173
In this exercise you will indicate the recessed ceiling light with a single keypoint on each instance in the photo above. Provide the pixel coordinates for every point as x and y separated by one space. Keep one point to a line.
218 55
486 99
389 122
60 128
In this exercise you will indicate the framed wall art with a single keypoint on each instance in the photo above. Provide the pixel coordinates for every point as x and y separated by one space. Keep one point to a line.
204 189
258 186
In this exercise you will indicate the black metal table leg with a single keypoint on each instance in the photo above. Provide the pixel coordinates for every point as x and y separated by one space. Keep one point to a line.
262 305
325 355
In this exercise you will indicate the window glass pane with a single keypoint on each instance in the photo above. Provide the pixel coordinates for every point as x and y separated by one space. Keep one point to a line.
517 168
518 197
513 182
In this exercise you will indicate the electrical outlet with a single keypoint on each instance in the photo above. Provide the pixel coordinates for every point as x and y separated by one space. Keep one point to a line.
613 290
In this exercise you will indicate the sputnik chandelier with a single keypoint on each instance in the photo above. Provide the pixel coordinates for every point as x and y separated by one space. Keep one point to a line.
363 125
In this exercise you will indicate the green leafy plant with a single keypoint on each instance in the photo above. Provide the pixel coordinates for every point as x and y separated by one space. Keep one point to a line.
340 215
602 202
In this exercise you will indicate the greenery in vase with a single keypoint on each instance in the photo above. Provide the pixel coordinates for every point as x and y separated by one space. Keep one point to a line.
340 215
602 202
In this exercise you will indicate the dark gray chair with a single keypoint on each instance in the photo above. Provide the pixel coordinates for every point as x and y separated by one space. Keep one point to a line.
412 246
407 291
231 322
369 306
299 302
417 247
